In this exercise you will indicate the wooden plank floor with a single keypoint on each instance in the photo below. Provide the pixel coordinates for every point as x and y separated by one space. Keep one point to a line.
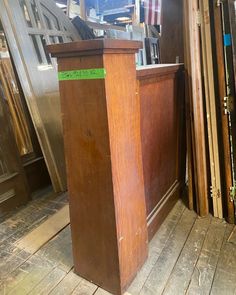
188 255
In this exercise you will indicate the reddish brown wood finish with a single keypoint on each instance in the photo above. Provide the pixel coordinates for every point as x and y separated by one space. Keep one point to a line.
163 143
13 183
101 120
224 123
196 106
171 42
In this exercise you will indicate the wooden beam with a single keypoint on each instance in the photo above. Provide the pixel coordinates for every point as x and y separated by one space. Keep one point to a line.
193 70
224 123
188 111
210 99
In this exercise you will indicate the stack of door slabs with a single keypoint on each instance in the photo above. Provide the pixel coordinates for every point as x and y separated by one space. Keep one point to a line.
210 117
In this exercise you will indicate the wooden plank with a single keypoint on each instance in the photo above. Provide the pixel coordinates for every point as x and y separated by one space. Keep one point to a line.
34 272
210 100
203 274
14 278
13 262
67 285
180 277
232 237
193 71
188 113
20 224
59 250
85 288
38 237
23 220
101 292
49 282
219 61
23 223
21 129
156 246
161 271
225 274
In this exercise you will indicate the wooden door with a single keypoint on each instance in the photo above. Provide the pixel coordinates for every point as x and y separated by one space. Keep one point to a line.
225 94
232 19
171 41
229 14
29 25
13 186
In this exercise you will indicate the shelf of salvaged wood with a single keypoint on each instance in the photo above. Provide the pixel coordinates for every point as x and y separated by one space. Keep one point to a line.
125 152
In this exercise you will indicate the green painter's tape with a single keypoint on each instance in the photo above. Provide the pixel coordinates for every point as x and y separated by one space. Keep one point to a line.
85 74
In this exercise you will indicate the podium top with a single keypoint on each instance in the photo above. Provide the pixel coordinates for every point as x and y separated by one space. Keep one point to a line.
94 47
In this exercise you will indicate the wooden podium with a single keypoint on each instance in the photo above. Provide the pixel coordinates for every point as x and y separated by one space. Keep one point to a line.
101 121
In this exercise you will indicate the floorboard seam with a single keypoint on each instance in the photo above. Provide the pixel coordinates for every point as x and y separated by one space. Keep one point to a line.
224 241
162 248
179 254
30 255
95 290
195 266
55 267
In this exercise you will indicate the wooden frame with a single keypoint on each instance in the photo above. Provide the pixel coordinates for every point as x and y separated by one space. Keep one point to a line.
194 77
211 115
225 115
40 89
161 92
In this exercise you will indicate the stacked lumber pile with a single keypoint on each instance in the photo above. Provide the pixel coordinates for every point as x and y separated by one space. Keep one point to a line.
210 118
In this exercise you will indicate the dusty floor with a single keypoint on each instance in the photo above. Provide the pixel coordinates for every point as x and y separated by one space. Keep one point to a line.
188 255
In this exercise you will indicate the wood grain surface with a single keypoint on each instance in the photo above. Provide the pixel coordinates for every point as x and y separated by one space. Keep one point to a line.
227 178
162 133
101 120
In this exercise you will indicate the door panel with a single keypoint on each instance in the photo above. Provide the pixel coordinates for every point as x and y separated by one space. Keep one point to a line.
13 187
232 19
29 25
223 61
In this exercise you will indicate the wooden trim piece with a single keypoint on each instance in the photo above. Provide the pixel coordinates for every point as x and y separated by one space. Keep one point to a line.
213 142
33 241
149 71
221 93
8 177
94 47
188 112
157 216
193 71
7 195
